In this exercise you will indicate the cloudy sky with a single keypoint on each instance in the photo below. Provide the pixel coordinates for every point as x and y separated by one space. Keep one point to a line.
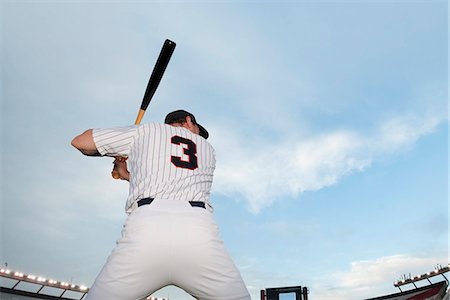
329 119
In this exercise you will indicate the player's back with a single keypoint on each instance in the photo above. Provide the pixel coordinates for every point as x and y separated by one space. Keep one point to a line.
172 163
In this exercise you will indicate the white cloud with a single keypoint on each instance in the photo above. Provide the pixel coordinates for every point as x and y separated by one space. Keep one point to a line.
262 171
371 278
405 130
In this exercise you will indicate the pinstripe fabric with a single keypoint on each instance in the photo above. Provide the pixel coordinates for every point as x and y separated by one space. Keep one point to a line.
150 148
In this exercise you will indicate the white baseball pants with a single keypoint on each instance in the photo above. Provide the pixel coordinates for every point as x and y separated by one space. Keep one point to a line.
169 243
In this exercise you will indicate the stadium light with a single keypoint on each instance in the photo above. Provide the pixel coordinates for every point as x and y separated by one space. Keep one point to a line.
18 274
155 298
21 277
6 271
439 270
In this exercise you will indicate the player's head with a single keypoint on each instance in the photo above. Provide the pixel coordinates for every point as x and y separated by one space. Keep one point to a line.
183 118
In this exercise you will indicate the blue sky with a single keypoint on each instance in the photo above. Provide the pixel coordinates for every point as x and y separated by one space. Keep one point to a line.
329 119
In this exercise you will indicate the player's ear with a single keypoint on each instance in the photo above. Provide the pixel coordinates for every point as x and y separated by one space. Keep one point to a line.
191 125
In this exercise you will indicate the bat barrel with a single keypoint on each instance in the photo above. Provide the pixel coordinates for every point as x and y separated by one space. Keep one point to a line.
158 71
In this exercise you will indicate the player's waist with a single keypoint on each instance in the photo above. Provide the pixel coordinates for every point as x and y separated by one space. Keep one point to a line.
169 205
148 201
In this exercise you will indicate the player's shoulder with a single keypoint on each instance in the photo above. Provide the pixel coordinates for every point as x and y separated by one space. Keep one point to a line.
169 130
161 129
152 126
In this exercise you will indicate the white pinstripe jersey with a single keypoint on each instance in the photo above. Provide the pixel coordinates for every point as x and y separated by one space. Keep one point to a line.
164 161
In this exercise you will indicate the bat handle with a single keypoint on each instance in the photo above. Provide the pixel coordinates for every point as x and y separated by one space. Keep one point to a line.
139 116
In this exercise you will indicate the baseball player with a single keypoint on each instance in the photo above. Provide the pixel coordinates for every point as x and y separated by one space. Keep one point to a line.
170 236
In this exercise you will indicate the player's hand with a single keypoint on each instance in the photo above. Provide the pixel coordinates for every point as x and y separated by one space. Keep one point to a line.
120 170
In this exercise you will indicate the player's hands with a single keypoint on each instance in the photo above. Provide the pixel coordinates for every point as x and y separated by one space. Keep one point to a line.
120 170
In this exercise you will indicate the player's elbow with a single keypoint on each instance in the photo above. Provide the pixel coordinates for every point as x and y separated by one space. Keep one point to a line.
79 141
85 143
76 142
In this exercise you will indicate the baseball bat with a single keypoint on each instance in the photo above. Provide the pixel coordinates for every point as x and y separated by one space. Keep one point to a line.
157 73
155 78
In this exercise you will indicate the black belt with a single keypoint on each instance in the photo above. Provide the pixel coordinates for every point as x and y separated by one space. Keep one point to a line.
145 201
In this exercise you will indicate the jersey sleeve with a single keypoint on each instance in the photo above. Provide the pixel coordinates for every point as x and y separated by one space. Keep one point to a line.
115 141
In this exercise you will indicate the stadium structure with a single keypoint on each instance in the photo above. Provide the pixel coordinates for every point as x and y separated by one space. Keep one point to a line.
16 285
413 288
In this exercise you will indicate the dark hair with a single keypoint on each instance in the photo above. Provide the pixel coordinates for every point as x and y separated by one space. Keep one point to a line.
179 116
180 120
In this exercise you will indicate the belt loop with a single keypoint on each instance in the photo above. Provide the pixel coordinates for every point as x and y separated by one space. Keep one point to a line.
197 204
144 201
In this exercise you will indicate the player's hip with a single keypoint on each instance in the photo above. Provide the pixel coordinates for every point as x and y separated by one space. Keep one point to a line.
172 215
172 205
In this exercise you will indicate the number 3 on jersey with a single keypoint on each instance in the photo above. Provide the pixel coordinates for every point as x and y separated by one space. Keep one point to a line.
190 151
